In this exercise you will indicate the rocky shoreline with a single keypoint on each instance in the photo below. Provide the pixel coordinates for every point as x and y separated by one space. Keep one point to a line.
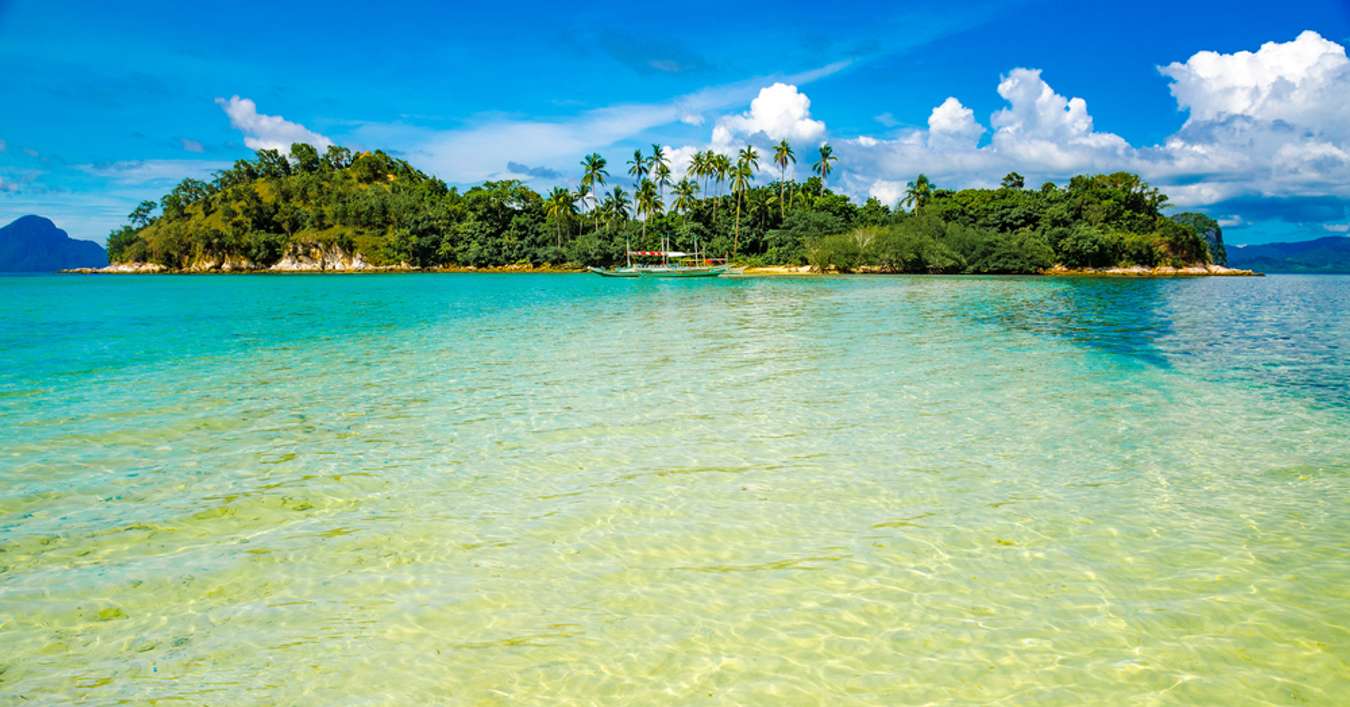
1207 270
327 258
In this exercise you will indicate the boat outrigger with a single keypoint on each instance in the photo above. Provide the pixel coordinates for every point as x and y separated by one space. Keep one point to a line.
673 264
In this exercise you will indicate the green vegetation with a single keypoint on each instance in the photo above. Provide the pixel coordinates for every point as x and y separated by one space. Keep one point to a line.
1095 222
392 214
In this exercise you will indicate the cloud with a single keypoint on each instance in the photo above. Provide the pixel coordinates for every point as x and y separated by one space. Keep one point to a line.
1337 227
1042 127
1267 136
691 119
267 131
1303 82
150 171
475 153
1039 132
952 124
2 145
886 191
192 145
887 119
680 158
779 112
528 172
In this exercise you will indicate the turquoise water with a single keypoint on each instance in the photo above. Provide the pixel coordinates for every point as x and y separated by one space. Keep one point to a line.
555 488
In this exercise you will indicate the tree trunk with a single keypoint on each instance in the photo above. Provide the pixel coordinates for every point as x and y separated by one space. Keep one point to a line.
736 240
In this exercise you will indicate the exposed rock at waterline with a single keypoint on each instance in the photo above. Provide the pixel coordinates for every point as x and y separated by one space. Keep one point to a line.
121 268
311 258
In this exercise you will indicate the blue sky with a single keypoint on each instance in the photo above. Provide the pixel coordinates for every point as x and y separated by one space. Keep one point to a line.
108 105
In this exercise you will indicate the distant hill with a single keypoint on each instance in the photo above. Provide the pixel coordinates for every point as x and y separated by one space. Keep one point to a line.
1323 255
35 244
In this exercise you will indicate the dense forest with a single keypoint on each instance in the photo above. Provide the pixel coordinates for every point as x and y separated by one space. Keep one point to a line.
258 211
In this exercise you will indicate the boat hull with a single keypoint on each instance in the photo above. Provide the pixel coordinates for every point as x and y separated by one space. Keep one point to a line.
713 271
602 272
685 272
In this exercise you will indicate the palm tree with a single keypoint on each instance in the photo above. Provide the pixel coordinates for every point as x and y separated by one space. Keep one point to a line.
659 163
740 184
560 207
747 162
822 166
616 206
721 168
686 191
782 155
582 196
749 155
917 193
637 168
698 167
648 203
662 174
593 176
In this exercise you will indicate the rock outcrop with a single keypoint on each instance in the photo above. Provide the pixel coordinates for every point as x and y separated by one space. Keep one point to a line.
229 263
314 258
1158 271
121 269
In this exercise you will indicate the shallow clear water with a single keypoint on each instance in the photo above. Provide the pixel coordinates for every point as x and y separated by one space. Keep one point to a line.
549 489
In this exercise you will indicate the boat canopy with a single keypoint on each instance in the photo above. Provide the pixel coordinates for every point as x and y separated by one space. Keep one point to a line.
660 253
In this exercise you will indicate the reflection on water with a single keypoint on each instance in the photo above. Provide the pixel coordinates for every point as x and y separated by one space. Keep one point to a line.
527 488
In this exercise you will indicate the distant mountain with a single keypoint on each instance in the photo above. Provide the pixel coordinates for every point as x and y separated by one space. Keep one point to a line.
1323 255
35 244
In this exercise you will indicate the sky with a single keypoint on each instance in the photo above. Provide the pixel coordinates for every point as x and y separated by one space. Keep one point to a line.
1240 110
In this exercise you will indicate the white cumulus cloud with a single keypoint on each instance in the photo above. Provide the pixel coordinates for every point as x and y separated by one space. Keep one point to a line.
886 191
779 112
263 131
1304 82
952 124
1045 128
1269 124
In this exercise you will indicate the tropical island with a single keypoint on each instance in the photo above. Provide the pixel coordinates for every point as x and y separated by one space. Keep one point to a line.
345 210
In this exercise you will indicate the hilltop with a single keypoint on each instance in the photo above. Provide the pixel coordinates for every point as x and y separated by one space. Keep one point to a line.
1322 255
35 244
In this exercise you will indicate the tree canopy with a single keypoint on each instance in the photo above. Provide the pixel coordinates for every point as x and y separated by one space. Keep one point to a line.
371 203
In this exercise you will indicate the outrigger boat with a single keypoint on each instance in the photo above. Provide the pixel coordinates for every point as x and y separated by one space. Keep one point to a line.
682 265
674 264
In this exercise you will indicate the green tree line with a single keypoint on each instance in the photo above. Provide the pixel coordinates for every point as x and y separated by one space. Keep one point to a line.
393 214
